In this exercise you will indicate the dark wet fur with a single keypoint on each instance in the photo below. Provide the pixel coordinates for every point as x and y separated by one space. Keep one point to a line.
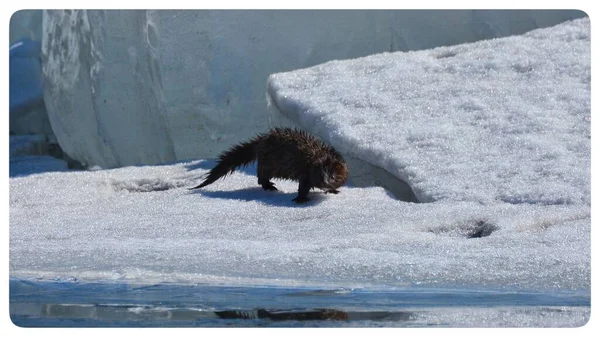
285 154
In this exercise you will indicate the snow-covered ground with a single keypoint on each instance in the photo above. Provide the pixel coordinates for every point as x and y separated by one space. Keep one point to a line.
141 224
496 134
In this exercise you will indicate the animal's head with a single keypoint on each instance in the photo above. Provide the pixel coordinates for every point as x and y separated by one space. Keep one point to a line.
331 174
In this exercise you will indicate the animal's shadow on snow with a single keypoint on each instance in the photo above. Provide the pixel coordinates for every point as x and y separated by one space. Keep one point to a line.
273 198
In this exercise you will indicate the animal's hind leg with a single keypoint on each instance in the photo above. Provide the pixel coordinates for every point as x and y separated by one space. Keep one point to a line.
266 184
264 178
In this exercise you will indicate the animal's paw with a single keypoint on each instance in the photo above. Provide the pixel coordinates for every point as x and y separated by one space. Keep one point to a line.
269 187
300 200
332 191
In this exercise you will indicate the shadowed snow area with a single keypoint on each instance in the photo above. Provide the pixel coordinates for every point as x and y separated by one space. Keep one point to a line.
494 134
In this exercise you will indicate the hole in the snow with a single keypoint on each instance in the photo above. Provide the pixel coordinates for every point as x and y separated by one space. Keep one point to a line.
146 185
481 229
469 229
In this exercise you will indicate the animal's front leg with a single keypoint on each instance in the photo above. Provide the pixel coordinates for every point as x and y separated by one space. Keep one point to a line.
303 188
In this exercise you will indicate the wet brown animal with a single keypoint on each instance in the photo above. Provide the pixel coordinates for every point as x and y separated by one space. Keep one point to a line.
285 154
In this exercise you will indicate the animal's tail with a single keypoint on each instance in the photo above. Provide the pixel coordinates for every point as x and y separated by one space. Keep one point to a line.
238 156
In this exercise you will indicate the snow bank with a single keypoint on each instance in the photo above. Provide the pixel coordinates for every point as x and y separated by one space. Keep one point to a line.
25 24
27 112
27 145
25 165
142 87
31 154
503 120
